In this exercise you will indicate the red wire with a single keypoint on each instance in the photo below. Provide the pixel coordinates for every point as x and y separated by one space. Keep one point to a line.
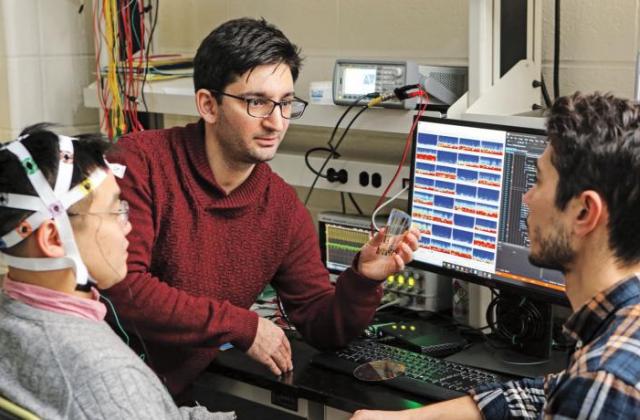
132 80
128 67
133 116
127 64
140 66
120 62
100 89
405 152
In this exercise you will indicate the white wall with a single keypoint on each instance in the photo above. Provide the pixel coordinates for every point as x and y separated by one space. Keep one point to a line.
46 58
599 40
46 47
598 43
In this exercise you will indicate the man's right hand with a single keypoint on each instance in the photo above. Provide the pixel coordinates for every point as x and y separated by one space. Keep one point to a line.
271 347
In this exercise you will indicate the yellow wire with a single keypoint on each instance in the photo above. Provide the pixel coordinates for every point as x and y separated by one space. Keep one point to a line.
118 121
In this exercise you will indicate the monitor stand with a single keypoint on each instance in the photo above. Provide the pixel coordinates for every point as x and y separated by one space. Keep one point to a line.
521 341
519 358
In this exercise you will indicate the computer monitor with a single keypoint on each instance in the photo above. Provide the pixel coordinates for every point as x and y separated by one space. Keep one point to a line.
341 237
468 181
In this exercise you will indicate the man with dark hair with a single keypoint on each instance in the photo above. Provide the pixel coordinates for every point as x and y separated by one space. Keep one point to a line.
584 219
213 225
63 234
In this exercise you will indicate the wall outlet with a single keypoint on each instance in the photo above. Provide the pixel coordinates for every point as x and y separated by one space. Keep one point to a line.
293 169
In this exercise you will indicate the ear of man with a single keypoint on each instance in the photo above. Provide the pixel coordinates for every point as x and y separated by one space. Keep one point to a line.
47 240
207 106
590 212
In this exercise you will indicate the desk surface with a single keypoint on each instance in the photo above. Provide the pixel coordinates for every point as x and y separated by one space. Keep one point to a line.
344 392
313 383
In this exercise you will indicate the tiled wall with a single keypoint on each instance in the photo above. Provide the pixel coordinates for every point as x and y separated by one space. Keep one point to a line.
46 58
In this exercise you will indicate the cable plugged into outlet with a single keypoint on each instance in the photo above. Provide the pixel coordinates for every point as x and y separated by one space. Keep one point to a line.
341 176
360 177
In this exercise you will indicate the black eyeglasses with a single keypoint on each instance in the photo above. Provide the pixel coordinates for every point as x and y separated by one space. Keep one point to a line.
122 213
259 107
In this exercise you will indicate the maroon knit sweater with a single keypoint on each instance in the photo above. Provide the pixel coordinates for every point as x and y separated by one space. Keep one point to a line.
199 258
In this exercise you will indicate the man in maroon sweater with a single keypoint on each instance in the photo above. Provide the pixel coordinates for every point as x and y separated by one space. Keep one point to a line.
213 225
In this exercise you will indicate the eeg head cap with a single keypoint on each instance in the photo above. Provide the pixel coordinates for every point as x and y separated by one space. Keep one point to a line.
49 204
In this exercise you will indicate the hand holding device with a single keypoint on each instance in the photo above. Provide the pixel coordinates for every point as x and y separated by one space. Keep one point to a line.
375 266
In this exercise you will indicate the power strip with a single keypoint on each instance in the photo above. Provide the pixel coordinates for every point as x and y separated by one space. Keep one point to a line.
359 177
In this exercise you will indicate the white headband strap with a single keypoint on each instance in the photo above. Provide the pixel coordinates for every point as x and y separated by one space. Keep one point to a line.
42 213
24 229
65 167
34 174
21 201
45 264
49 204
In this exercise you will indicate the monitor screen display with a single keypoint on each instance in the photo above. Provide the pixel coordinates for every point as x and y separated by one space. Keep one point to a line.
359 80
469 179
341 237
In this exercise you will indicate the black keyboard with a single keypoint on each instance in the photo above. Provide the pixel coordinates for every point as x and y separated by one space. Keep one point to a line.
426 376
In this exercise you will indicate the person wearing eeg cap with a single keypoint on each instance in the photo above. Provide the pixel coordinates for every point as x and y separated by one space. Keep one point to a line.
63 231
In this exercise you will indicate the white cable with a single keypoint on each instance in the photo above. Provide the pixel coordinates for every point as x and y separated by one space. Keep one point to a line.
386 305
375 212
401 301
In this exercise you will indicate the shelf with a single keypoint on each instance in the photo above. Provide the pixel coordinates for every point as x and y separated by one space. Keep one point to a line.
162 97
177 97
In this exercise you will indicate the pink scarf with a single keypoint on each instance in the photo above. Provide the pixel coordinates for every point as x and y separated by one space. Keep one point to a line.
51 300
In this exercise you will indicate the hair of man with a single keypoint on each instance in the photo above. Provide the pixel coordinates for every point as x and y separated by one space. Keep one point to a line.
238 46
595 140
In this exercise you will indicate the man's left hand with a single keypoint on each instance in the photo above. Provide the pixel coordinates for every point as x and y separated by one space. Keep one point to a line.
378 267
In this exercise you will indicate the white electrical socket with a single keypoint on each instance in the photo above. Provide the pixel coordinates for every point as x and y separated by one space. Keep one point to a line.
293 170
